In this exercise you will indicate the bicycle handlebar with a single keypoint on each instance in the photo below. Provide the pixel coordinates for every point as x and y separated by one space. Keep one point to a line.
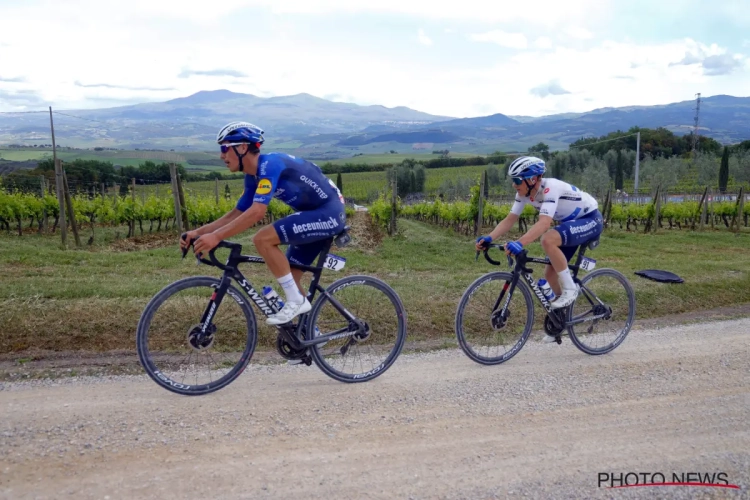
520 258
212 262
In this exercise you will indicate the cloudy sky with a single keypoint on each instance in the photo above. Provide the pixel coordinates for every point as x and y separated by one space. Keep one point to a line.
455 58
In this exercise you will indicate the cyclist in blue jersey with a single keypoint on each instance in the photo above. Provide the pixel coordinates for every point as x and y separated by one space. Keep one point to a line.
318 204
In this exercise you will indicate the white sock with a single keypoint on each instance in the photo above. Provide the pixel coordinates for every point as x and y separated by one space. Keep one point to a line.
566 280
290 289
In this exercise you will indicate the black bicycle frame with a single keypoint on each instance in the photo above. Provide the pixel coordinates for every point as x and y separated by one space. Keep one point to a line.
520 269
291 335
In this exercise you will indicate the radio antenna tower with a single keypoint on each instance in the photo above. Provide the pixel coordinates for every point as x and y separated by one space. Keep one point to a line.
695 126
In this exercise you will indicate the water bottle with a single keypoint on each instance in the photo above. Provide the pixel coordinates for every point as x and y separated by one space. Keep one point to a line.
272 297
546 289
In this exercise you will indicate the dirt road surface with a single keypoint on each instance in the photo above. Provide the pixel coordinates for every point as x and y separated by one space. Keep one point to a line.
436 425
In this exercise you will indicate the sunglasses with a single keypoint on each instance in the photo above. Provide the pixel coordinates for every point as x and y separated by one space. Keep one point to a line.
517 180
225 147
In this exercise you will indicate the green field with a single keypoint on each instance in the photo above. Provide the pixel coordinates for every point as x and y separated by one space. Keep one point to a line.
90 299
116 156
181 156
359 186
373 159
134 158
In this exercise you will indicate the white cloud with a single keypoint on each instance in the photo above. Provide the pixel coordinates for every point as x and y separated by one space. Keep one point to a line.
109 59
553 87
543 42
553 12
511 40
424 39
579 33
714 60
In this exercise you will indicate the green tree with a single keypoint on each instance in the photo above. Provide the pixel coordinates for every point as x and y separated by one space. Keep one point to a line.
724 170
595 179
409 175
540 148
493 175
619 171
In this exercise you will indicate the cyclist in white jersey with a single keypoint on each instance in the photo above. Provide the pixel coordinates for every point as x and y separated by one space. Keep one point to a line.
556 200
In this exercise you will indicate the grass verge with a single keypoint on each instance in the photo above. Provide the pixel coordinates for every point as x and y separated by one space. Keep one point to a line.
90 300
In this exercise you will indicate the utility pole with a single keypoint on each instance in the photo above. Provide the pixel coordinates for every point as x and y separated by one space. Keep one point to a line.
695 119
637 162
59 184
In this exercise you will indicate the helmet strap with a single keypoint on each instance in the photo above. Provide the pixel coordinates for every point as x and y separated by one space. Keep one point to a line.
529 187
240 156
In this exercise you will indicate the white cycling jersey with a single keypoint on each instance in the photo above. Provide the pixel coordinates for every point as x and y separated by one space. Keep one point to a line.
559 200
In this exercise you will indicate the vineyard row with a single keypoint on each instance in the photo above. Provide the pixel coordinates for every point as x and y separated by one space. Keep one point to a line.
461 215
19 209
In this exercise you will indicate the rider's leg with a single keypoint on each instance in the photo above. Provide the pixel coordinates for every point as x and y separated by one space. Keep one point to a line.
551 243
551 276
299 230
304 255
569 235
267 242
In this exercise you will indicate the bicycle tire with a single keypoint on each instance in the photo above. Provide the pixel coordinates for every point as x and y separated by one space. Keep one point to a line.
462 342
394 353
631 315
145 322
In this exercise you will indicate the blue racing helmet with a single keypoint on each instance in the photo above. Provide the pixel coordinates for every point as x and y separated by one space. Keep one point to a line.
240 132
527 166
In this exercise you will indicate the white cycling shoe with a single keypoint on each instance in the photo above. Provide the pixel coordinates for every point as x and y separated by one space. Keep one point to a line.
289 312
567 297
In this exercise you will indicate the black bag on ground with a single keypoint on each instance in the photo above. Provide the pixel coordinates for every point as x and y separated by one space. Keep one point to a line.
660 276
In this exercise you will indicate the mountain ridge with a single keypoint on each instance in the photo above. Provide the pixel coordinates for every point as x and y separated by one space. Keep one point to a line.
306 124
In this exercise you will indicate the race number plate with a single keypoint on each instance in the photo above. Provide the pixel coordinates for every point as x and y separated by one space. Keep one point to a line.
588 264
334 262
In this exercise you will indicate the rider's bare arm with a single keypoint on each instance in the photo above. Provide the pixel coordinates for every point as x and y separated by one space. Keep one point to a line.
537 230
221 221
504 226
244 221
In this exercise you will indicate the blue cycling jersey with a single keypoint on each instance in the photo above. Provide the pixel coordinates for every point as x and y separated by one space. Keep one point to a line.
299 183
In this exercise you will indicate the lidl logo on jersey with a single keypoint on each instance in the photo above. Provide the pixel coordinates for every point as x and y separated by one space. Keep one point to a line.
264 187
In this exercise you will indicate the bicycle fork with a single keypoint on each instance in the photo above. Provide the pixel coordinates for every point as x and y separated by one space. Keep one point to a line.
203 336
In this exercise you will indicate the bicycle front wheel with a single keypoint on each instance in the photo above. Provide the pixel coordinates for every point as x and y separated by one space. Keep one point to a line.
175 354
366 354
483 334
607 302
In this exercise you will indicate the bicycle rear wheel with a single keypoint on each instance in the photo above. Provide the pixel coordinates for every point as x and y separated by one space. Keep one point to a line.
365 355
167 337
606 293
485 336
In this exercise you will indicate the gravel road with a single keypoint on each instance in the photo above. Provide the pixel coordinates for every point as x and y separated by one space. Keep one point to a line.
436 425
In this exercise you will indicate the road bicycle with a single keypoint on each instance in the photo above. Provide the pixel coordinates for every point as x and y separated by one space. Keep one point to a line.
170 341
485 322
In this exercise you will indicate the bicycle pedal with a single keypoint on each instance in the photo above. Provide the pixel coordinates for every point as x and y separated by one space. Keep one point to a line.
558 339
